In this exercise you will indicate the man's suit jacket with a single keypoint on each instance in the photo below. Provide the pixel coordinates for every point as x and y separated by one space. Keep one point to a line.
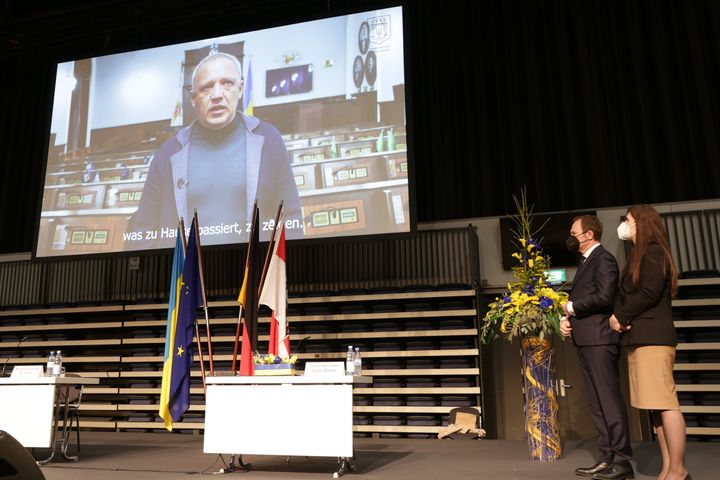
593 297
647 308
269 179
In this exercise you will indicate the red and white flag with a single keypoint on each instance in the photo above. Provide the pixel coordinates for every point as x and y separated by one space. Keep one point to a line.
274 295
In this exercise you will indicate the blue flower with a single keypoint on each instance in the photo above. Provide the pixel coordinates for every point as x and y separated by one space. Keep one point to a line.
529 289
545 303
277 360
534 243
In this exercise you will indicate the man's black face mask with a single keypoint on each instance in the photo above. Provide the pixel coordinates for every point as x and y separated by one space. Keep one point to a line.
572 244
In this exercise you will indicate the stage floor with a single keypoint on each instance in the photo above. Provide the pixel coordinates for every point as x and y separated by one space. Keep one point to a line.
159 456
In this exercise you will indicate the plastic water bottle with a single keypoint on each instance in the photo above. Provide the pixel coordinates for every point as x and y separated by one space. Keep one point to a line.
57 366
391 145
333 148
50 365
350 361
357 361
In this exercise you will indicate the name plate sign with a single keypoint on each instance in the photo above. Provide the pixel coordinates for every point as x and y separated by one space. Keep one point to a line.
324 369
27 371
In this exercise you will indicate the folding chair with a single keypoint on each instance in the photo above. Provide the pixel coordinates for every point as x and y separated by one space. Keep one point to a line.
72 403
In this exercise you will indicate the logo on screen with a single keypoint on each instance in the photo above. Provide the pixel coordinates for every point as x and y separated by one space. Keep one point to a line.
379 28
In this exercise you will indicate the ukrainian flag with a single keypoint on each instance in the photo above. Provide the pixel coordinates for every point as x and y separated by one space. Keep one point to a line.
191 298
190 294
173 308
247 104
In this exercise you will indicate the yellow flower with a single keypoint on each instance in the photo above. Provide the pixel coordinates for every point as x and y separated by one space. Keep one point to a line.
529 306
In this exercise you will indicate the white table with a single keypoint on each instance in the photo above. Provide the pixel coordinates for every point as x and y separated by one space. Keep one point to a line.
30 410
281 415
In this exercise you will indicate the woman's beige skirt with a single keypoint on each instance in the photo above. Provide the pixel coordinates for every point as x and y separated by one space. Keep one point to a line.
652 386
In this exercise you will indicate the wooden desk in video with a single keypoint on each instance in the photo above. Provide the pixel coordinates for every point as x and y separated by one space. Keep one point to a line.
352 182
87 202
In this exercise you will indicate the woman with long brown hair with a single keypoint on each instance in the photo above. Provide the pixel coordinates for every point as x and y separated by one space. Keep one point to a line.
643 314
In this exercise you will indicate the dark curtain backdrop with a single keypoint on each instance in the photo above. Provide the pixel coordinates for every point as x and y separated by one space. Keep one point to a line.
587 103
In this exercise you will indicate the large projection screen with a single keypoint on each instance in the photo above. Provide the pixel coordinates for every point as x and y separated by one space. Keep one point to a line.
311 114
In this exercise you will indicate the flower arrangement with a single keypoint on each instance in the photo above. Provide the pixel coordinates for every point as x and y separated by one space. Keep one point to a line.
529 307
266 359
266 364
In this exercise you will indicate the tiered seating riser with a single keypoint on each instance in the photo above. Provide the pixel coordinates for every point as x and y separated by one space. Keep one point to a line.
130 380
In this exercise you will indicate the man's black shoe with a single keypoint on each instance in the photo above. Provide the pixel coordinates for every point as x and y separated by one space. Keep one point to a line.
590 471
615 471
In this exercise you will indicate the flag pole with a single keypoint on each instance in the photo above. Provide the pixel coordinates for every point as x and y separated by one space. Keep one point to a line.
197 331
204 298
269 253
248 256
238 328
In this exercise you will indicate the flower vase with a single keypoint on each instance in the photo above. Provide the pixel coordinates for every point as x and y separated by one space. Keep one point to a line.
541 407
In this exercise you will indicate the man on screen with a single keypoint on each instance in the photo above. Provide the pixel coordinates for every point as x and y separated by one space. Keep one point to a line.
218 165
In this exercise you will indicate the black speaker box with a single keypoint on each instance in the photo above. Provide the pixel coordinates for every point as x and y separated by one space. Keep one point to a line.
16 463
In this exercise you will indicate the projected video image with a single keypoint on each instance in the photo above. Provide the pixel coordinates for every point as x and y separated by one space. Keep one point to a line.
141 139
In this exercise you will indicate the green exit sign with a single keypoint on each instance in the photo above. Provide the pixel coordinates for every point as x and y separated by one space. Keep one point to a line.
556 276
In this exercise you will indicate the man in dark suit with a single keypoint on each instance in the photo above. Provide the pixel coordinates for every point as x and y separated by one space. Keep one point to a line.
587 312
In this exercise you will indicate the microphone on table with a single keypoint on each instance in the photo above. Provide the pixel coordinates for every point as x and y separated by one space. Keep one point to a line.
297 347
17 347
